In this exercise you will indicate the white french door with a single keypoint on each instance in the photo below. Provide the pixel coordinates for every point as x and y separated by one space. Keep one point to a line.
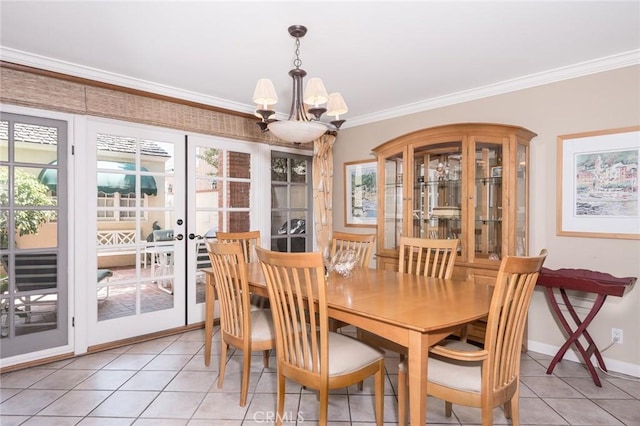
159 194
135 222
228 181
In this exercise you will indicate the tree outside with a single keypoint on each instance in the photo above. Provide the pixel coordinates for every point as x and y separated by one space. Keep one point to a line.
29 193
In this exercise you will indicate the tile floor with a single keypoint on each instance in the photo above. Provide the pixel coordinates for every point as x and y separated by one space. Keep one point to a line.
165 382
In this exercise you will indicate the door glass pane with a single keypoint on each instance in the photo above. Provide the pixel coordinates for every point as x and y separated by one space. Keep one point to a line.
239 165
298 170
30 134
239 194
290 194
299 197
136 216
222 200
488 200
4 140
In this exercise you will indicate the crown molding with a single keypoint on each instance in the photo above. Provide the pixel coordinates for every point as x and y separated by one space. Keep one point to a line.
595 66
607 63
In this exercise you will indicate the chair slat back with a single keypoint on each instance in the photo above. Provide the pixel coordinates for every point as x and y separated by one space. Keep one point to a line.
507 317
429 257
362 244
232 287
249 240
301 323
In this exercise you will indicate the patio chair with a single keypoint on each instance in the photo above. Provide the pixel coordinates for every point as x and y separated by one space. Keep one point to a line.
33 272
162 256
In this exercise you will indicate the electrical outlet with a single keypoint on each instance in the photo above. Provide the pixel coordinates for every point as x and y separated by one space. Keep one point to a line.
616 335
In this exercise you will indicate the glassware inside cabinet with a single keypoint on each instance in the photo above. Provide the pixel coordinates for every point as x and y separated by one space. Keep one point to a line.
393 176
437 198
488 201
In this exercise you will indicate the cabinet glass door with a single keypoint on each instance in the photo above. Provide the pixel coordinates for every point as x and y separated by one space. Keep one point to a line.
437 191
522 207
392 220
488 208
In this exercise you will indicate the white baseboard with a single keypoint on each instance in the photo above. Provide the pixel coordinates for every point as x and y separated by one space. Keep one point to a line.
613 365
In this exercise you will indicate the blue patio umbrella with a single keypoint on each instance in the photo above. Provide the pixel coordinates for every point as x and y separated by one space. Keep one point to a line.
109 183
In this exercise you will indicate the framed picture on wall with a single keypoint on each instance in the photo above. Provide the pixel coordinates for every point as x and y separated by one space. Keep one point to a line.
361 193
597 194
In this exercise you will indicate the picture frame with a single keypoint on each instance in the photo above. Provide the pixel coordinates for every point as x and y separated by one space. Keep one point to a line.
361 193
496 172
597 184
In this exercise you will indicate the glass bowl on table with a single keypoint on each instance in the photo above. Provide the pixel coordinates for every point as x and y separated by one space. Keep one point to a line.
343 262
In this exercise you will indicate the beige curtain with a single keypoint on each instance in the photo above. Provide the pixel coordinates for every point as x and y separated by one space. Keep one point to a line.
323 191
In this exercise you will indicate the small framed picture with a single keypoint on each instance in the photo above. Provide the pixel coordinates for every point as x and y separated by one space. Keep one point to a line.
496 172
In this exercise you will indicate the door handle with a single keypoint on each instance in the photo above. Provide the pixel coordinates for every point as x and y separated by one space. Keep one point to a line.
193 236
179 237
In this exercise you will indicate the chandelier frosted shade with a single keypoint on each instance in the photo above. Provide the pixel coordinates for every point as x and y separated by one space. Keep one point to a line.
295 131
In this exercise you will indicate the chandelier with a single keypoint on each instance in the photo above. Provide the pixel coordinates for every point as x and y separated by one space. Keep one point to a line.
303 124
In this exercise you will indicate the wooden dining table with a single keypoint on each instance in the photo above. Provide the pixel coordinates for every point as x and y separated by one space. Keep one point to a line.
415 311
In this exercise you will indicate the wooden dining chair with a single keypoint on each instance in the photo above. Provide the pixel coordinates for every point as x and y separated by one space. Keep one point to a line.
361 244
461 373
249 241
306 351
429 257
420 256
241 326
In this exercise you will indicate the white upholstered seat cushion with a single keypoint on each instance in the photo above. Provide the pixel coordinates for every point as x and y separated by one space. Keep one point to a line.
262 325
466 376
347 354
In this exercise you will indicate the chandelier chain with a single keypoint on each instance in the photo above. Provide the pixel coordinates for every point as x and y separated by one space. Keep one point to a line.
297 62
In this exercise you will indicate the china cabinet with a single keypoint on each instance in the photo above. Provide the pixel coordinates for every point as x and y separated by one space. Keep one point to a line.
467 181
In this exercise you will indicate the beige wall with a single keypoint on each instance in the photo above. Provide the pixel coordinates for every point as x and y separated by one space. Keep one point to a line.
601 101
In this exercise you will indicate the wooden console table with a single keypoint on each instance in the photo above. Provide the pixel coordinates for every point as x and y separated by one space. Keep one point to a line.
602 285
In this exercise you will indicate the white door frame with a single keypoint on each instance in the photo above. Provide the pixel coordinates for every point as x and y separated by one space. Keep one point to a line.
69 347
99 332
259 221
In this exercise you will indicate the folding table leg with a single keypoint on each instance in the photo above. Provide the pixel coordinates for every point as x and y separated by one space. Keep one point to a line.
581 330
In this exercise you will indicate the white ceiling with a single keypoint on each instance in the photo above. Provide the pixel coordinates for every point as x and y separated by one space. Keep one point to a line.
386 58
